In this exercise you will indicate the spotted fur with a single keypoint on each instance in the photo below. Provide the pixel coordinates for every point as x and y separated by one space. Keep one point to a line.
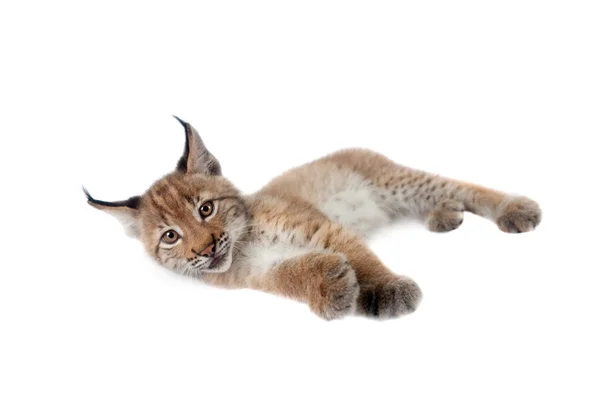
302 235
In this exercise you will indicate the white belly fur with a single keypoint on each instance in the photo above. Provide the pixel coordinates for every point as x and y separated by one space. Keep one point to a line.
354 206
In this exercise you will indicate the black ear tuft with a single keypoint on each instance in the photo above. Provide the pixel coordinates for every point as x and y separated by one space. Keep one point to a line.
182 163
182 122
87 194
132 202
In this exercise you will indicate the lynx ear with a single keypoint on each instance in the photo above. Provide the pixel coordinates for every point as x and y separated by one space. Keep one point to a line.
196 158
127 212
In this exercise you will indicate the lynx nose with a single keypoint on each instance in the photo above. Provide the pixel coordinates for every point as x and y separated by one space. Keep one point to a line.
209 250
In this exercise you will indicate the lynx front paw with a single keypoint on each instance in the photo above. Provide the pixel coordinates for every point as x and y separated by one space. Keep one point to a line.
446 216
389 299
518 215
336 289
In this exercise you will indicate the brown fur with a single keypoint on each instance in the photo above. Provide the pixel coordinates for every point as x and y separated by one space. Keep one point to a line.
325 281
301 236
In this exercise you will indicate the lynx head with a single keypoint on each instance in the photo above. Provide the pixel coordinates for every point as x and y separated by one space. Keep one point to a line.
189 220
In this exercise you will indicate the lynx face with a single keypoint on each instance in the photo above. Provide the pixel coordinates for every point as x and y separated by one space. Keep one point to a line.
190 223
191 219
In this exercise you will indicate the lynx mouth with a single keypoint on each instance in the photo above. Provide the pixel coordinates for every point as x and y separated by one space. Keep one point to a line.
216 261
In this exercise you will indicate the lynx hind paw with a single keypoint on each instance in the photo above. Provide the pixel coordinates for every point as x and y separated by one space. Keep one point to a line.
446 216
390 299
336 295
518 215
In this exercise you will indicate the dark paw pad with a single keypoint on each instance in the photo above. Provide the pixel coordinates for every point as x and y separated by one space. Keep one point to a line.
390 299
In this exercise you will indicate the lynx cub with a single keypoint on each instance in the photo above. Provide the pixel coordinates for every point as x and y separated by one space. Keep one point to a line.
301 236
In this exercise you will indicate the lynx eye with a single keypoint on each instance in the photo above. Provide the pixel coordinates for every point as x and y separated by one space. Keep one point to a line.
170 237
206 209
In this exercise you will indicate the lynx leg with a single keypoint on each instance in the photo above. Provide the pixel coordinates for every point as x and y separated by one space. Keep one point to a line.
383 294
325 281
440 201
445 216
342 275
518 214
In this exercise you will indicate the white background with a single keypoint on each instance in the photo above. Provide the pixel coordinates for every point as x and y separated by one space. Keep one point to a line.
504 94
